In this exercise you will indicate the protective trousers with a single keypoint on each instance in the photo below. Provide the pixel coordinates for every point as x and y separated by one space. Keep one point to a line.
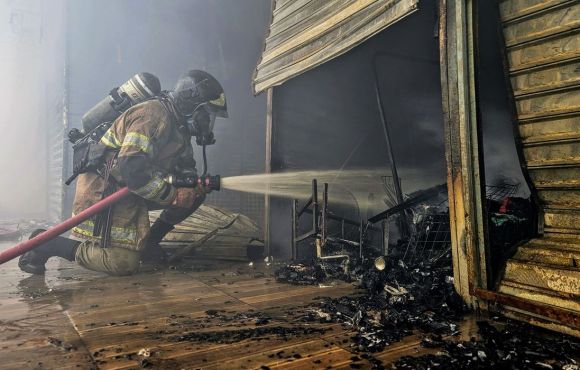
122 261
112 260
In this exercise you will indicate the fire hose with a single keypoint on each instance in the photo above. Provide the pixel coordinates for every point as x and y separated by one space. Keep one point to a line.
64 226
208 181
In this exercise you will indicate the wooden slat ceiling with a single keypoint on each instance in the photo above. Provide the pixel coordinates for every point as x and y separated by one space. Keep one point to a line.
306 33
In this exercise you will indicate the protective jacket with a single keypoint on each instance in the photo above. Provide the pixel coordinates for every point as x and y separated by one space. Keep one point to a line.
147 144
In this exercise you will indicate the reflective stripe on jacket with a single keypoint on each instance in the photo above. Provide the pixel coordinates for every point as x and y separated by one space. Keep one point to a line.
148 144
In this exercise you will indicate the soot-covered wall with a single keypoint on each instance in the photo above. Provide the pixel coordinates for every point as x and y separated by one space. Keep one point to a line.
328 118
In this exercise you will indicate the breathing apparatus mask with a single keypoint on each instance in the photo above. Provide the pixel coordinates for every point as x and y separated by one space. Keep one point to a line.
201 124
199 99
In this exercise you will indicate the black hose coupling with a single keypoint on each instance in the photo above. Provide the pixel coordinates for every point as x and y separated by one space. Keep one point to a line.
210 182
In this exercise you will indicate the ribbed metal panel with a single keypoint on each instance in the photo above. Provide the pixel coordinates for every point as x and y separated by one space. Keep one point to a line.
543 54
306 33
55 116
55 182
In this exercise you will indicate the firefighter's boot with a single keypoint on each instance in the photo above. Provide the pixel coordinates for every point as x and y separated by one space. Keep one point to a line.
153 253
33 261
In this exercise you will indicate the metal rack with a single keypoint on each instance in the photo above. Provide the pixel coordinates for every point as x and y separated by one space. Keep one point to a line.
321 217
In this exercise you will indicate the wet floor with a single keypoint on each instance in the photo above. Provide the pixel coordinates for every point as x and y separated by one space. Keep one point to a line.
31 314
74 318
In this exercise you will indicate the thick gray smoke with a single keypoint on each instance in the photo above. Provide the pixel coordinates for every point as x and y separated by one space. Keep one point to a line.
103 43
110 40
64 56
31 106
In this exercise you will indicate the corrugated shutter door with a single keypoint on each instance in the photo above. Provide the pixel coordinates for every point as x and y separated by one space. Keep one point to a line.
56 153
306 33
543 52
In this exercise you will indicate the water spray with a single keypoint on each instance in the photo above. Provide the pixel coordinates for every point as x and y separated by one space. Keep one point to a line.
348 185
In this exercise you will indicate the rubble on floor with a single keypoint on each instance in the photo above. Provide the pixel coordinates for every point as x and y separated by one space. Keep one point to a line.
509 224
397 300
14 230
9 231
513 345
414 293
255 333
215 233
61 344
301 274
404 299
249 317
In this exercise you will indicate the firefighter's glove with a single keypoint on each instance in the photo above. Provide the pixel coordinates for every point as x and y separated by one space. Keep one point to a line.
185 197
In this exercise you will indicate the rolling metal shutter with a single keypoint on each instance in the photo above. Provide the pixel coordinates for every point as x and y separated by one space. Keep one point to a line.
306 33
542 39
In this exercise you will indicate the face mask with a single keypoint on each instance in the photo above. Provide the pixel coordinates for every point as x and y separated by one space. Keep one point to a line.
201 125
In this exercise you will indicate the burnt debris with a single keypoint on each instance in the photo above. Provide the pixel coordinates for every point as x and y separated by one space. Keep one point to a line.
301 274
255 317
511 345
405 298
59 343
411 290
510 221
258 333
397 300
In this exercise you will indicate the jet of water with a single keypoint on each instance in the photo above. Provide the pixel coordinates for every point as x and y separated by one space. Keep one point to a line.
345 186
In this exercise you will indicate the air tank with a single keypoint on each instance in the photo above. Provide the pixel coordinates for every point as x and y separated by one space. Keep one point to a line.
139 88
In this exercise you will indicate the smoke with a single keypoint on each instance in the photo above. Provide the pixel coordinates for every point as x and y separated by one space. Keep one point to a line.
500 154
30 69
323 115
326 118
101 44
21 153
110 40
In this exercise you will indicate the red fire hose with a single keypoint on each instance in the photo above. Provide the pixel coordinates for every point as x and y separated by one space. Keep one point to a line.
55 231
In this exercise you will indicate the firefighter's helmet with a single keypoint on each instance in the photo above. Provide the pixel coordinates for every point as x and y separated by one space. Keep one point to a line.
196 88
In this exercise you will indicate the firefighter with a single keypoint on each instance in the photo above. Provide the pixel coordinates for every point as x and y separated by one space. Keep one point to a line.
145 144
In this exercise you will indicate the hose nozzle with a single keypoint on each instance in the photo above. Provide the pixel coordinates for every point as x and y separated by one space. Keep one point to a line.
210 182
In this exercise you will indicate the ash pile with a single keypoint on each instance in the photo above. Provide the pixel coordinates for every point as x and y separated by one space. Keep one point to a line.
502 345
410 289
395 301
